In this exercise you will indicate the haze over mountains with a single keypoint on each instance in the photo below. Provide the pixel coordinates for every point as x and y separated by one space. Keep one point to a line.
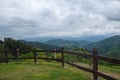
83 38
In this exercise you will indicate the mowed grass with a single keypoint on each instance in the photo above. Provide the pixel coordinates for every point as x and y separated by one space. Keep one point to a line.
111 70
45 71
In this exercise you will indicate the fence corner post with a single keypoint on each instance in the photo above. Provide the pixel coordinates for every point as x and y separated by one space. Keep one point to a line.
35 55
95 64
62 56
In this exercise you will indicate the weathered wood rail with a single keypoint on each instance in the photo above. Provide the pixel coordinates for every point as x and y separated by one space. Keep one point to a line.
94 56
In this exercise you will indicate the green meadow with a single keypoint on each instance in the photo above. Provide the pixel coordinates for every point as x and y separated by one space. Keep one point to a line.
50 71
46 71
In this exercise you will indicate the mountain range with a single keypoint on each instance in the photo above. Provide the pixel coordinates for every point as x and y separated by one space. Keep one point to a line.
67 43
83 38
110 43
107 47
42 45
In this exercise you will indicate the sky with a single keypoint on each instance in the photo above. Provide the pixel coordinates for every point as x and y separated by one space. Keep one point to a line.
59 18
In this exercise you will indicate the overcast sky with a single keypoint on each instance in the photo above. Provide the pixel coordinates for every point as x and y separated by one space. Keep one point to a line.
59 18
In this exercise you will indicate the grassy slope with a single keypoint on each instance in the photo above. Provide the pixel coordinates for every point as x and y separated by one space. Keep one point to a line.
40 72
51 71
113 71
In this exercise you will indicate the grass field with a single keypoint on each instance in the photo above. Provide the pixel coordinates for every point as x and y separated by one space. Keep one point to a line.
49 71
111 70
40 72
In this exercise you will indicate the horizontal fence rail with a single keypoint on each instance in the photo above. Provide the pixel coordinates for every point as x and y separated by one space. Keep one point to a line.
79 54
91 71
115 61
80 67
94 56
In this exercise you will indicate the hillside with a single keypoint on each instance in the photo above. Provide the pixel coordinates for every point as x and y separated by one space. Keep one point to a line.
42 45
67 43
12 44
109 46
51 71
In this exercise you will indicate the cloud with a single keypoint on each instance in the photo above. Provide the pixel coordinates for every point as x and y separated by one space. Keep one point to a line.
63 18
112 10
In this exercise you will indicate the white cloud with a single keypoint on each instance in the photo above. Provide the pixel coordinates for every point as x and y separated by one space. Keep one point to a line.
53 18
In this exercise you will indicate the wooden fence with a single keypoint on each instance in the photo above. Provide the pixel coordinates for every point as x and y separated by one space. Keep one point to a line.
94 56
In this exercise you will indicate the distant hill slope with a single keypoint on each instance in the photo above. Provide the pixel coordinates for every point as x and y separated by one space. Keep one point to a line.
67 43
109 46
42 45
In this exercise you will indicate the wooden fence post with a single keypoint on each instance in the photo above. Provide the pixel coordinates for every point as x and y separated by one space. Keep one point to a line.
95 64
35 55
6 57
18 52
62 56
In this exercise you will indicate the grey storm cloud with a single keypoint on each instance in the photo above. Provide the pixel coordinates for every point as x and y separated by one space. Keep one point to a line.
57 18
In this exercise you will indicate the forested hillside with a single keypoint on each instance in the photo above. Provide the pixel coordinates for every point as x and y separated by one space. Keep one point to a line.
109 47
12 44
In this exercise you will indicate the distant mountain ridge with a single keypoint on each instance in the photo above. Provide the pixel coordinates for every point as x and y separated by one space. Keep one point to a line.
67 43
42 45
91 38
